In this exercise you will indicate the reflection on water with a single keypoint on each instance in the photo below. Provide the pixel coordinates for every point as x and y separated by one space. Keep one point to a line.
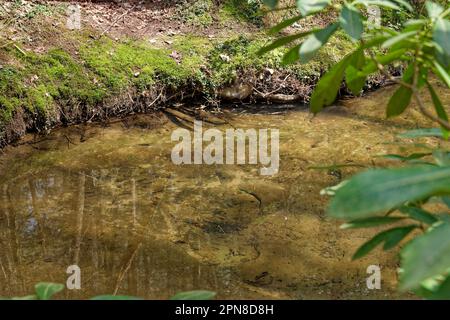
110 200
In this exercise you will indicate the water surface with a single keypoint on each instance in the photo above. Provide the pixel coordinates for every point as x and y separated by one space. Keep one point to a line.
109 199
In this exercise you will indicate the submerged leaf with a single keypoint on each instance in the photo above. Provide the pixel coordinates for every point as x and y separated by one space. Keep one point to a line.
194 295
419 133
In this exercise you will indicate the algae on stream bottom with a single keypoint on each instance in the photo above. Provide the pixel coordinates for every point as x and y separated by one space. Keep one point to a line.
94 195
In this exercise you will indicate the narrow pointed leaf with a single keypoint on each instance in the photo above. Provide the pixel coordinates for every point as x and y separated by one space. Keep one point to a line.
395 237
391 236
398 38
307 7
399 101
370 222
419 214
442 73
419 133
441 35
291 56
315 41
351 22
284 24
328 86
282 41
433 9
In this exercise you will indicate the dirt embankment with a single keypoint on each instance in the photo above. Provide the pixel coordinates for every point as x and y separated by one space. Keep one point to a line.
81 61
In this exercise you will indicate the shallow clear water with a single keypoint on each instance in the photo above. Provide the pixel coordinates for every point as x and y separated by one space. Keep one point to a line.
109 200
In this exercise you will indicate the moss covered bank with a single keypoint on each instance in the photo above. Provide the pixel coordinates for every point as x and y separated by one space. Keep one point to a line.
86 75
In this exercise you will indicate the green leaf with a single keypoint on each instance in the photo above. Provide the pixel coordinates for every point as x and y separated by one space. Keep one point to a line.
446 200
382 3
391 238
369 222
443 292
414 22
328 86
396 236
426 256
413 156
374 191
284 24
441 35
112 297
291 56
45 290
440 71
271 3
282 41
438 107
194 295
419 214
354 78
307 7
442 157
351 22
420 133
399 101
400 37
440 111
405 4
315 41
434 10
384 59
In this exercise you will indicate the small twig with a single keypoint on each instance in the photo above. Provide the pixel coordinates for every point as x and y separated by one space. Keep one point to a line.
154 101
125 270
20 50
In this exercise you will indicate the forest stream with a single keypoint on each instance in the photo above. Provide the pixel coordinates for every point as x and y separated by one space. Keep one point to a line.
110 200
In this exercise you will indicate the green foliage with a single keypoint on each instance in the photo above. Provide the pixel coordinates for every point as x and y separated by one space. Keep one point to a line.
426 256
351 21
379 190
315 41
390 238
43 291
46 291
419 39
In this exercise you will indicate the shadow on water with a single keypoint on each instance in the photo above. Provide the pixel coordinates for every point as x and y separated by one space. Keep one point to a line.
110 200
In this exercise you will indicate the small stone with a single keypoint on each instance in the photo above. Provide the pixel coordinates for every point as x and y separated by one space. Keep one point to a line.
225 57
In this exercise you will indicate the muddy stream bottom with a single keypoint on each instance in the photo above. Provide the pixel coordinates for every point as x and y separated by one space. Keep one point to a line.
110 200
